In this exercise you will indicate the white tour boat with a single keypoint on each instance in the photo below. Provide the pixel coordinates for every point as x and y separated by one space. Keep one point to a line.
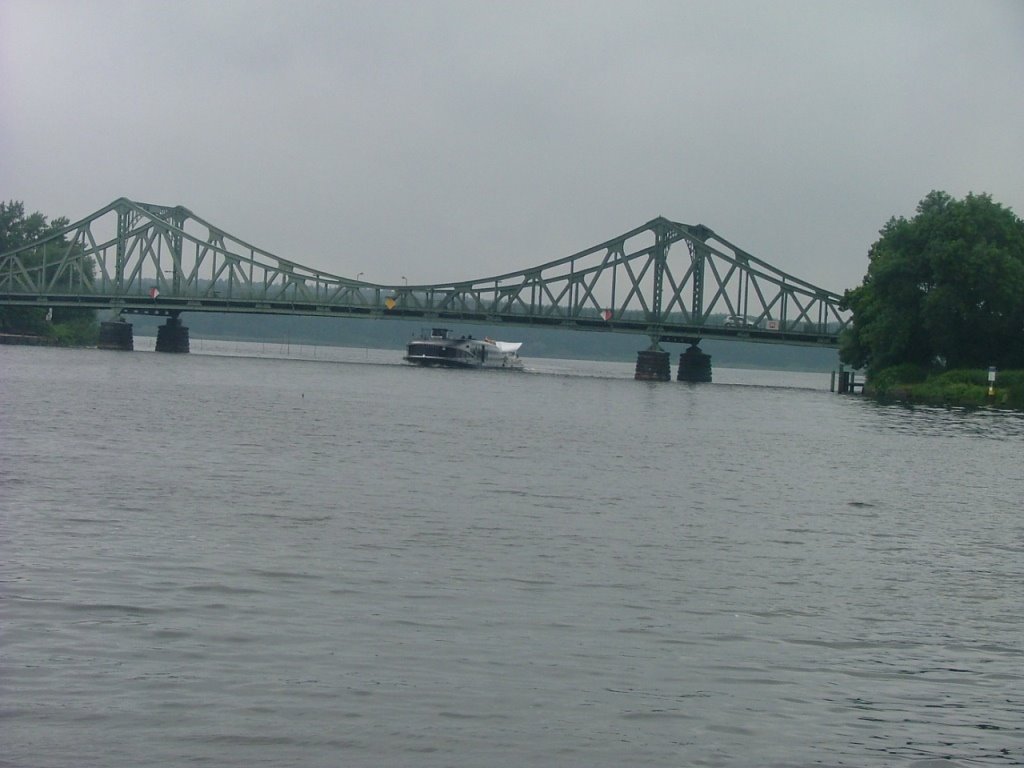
440 348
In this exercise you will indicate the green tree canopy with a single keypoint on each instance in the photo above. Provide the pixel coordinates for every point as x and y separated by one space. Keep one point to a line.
68 324
945 289
17 229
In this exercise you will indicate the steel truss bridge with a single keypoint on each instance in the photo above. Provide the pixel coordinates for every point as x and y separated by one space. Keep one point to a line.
672 282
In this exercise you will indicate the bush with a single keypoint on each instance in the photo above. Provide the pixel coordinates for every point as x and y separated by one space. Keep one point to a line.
974 377
967 388
937 391
898 376
78 332
1010 389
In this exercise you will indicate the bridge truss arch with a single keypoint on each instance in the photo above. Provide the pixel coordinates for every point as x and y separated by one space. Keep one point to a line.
664 279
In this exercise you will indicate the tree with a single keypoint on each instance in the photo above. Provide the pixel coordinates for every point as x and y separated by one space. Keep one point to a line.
944 289
68 324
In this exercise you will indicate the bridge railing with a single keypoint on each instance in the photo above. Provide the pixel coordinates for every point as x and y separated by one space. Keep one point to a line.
663 278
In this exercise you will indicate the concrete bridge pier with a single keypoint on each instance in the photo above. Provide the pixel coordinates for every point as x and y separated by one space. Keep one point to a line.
653 364
694 365
172 336
116 334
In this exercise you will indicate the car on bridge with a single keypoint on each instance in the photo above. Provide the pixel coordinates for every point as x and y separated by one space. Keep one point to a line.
739 321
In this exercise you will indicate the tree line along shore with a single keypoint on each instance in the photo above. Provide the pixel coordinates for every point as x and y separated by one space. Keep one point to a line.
941 304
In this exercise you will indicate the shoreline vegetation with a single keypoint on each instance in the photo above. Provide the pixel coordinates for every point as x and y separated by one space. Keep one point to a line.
966 388
942 301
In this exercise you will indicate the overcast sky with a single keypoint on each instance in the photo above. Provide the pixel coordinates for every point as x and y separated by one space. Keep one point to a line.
444 141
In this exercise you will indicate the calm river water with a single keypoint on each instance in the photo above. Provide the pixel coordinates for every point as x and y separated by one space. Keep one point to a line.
265 556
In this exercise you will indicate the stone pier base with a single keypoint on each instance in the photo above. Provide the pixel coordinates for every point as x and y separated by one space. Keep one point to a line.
116 335
653 365
172 336
694 365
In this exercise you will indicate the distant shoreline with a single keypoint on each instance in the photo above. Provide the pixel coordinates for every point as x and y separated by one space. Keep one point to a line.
548 343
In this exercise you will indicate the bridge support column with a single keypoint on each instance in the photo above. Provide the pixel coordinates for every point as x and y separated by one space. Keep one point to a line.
653 365
116 334
694 365
172 336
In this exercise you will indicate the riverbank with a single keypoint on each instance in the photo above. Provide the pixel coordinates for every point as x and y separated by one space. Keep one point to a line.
27 339
964 388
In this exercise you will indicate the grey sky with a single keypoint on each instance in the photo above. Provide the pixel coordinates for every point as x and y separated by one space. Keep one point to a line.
453 140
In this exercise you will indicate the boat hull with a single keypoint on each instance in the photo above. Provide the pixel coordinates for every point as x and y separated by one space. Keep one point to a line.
430 361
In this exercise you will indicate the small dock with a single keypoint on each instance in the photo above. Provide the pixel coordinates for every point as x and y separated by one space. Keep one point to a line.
845 383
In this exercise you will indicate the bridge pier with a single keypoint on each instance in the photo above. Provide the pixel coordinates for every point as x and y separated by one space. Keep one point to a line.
653 364
172 336
694 365
116 334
